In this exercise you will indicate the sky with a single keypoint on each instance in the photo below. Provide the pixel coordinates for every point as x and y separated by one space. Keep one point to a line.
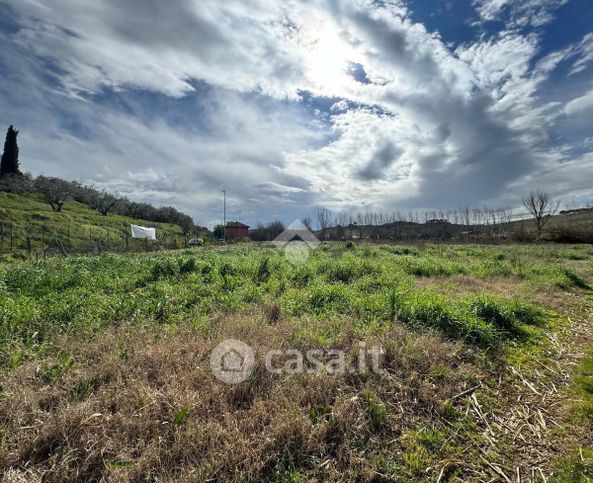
294 105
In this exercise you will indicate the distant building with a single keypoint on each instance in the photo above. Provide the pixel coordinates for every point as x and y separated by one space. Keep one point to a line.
237 230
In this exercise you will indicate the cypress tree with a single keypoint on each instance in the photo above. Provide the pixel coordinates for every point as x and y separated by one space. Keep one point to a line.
10 159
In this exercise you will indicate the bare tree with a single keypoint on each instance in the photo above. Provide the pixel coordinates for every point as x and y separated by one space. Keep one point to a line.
323 219
541 206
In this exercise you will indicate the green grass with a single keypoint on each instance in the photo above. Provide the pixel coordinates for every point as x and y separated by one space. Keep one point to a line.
583 386
376 285
77 225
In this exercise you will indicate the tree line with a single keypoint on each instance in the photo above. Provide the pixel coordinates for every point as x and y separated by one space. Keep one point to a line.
462 223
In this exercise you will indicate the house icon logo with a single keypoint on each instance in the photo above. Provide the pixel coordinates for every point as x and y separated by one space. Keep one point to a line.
297 241
232 361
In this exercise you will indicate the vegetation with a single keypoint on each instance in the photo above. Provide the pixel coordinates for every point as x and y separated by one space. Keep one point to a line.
28 222
105 364
9 165
267 232
56 192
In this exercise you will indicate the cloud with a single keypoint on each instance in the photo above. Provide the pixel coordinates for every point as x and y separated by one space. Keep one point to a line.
580 104
161 46
287 105
584 53
521 13
382 159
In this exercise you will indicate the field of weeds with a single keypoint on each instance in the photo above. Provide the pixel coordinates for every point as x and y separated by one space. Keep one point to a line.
486 374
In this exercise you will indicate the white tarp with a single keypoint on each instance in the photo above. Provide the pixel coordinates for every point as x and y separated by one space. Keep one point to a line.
143 232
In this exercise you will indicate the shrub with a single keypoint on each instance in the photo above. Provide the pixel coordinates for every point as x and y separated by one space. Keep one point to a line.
570 233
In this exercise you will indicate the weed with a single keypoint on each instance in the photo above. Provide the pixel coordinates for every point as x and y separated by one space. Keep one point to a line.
85 387
376 409
49 373
188 265
164 268
577 468
263 270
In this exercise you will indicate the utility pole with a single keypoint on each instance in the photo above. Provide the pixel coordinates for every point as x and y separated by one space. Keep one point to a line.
224 216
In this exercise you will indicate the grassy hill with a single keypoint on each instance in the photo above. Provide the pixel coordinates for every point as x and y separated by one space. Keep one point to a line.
30 222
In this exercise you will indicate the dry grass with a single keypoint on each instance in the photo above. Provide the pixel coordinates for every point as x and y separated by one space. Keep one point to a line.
463 285
135 404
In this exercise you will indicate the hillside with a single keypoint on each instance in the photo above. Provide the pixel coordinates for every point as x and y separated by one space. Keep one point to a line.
24 217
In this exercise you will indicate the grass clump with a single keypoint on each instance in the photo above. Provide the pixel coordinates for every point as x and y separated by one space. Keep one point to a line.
576 280
508 316
85 387
427 309
50 373
583 385
375 407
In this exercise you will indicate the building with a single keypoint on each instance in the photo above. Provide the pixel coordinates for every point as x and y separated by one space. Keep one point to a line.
237 230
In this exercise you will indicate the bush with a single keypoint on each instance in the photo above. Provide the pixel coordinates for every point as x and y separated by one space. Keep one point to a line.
522 234
565 233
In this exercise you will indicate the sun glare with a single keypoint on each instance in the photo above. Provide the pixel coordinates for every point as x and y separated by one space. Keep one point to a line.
328 60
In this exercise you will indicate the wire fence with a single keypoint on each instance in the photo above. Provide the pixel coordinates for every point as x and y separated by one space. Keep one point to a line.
44 240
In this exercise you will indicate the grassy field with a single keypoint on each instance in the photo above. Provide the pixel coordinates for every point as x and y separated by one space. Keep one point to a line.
487 363
76 226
